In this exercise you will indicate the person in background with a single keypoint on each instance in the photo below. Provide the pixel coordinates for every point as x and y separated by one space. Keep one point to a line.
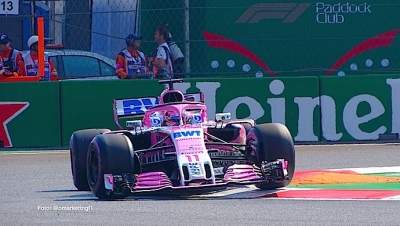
29 65
161 61
177 57
130 61
9 57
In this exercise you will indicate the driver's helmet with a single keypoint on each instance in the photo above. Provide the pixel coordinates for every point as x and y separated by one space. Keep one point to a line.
171 118
187 119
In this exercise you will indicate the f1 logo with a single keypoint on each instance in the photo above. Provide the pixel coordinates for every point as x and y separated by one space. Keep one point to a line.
289 12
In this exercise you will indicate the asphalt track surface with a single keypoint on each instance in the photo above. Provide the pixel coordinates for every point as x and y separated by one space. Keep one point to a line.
36 186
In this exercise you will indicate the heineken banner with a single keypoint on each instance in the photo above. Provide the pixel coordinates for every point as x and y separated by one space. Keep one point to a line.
263 99
359 108
45 114
30 114
89 104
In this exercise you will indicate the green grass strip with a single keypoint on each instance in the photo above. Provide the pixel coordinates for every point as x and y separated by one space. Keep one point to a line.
397 174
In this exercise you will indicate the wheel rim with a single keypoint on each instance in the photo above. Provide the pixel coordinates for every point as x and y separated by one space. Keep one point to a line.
72 159
93 167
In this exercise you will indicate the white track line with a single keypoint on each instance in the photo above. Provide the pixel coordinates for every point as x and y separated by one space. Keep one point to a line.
233 191
371 170
396 197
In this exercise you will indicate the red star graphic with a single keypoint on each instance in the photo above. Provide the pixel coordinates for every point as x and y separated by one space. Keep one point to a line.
8 111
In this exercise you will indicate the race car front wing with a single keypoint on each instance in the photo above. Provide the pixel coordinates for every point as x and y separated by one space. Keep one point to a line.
237 174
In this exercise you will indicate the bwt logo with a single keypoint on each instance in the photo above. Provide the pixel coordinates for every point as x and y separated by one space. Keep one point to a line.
193 133
289 12
138 106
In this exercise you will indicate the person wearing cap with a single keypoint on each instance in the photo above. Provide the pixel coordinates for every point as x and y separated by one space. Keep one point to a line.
29 64
9 57
161 61
130 61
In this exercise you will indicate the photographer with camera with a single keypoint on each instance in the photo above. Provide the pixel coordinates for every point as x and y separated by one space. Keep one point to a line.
176 54
161 59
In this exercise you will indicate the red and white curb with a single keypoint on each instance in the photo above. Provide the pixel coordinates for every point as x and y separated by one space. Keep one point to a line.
251 191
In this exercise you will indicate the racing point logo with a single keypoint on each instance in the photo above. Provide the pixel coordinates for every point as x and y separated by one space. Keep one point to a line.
289 12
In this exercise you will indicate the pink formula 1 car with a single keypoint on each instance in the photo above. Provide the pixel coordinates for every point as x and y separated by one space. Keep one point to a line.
174 148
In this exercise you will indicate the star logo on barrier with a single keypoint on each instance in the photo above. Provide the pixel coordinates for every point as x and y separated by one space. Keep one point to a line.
8 111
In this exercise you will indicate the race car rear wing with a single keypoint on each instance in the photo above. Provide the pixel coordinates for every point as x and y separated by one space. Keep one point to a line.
130 108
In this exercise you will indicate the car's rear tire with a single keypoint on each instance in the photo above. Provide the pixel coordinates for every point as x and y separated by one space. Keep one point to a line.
109 154
275 142
79 144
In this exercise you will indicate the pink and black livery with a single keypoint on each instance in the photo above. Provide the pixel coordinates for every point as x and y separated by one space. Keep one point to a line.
174 148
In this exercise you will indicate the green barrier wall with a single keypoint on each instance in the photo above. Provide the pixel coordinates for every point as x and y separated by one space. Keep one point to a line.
30 114
359 108
88 104
45 114
288 100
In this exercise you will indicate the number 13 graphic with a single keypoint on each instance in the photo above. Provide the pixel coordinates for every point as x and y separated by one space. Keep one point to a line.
7 5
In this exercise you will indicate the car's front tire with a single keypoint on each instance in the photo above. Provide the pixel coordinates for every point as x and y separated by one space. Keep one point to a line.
275 142
109 154
79 144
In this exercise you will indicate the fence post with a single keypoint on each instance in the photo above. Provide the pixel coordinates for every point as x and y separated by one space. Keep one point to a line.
41 45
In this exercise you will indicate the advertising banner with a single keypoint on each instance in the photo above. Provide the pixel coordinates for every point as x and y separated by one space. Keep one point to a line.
281 38
30 114
289 100
328 108
359 108
302 37
89 104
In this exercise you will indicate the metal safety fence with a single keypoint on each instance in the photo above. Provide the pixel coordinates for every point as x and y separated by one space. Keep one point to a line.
228 38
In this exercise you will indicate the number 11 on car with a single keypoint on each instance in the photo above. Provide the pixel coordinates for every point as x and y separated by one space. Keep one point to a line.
189 158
